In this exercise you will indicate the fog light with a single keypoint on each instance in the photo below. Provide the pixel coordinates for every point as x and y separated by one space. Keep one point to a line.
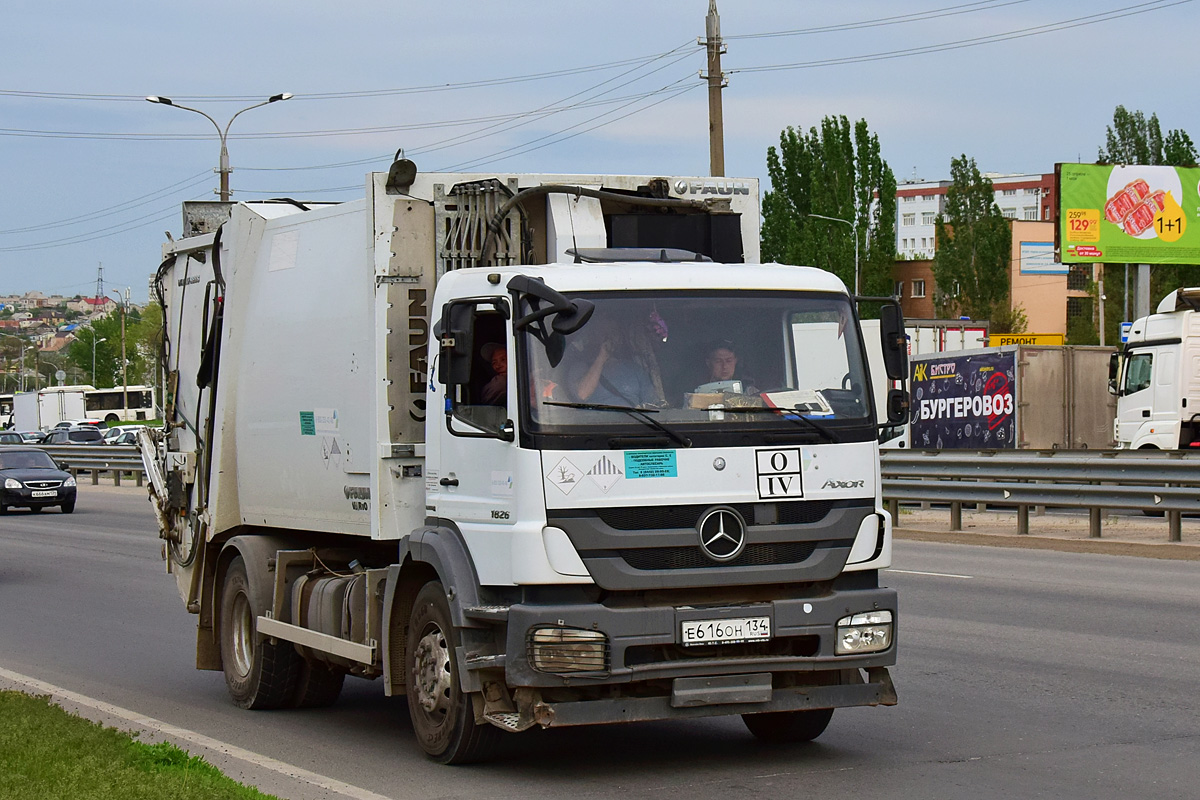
864 633
567 650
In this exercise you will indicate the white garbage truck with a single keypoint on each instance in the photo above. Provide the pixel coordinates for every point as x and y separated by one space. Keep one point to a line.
534 450
1156 377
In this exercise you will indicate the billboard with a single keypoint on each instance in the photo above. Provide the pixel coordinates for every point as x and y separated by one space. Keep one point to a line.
1128 214
964 401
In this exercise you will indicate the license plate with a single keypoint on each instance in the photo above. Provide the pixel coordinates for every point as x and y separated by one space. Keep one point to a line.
726 631
43 493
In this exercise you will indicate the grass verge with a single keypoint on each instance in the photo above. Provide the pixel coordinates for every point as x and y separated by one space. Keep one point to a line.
47 753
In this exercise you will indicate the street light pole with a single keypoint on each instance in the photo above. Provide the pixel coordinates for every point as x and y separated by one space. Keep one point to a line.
223 169
95 342
854 231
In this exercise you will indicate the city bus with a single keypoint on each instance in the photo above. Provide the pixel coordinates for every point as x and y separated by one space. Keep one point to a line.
108 405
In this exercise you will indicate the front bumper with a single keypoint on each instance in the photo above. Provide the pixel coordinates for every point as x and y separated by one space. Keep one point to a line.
875 690
23 498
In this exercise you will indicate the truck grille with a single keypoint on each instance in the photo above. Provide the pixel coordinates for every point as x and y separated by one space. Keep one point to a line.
755 555
648 518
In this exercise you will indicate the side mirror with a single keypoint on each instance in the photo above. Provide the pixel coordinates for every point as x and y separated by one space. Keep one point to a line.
456 333
1112 386
895 342
897 406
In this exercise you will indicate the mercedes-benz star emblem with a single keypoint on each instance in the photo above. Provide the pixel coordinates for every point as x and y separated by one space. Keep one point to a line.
722 533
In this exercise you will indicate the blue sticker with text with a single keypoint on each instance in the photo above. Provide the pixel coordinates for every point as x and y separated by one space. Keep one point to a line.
650 464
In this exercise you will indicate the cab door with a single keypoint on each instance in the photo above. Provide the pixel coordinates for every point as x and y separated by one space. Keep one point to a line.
472 459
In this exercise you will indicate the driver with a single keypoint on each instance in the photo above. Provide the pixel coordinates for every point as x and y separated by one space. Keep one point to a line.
722 363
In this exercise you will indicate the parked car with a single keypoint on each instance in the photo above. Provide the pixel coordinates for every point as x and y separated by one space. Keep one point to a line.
83 434
124 437
79 423
125 433
33 437
11 437
31 479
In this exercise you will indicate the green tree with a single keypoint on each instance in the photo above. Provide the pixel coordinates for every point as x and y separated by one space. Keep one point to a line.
1135 139
835 171
974 250
106 334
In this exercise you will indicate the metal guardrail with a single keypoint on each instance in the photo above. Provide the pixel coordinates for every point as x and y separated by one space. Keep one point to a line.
1150 480
116 459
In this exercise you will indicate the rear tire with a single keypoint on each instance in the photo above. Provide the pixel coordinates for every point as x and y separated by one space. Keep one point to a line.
317 685
788 726
443 716
258 674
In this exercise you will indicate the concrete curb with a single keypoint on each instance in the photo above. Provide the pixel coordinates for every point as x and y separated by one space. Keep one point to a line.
1166 550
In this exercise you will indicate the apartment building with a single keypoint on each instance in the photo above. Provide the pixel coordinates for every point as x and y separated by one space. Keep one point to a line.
918 203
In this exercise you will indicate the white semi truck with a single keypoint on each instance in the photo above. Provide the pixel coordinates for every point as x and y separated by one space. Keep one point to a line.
465 435
1157 377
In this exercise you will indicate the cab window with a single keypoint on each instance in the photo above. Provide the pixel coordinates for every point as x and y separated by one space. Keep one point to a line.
1137 373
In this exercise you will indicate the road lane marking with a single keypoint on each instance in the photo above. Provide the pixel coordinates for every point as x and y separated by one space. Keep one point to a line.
198 739
932 574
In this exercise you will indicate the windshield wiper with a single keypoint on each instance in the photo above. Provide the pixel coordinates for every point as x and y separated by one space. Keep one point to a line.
789 414
640 414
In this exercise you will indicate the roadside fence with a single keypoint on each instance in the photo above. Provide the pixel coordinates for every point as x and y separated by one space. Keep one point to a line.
115 459
1156 482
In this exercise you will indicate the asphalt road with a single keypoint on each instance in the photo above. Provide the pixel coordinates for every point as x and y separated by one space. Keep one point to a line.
1022 674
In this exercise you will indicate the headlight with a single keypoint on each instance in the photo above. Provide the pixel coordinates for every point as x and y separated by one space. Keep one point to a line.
69 483
864 633
560 650
12 483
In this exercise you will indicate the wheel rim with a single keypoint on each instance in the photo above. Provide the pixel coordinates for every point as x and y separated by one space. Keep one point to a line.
242 623
431 673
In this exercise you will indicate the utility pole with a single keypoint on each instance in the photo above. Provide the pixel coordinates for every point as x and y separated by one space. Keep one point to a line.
716 82
124 362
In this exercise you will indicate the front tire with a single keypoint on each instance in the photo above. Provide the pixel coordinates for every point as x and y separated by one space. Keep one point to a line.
788 726
443 716
258 674
68 508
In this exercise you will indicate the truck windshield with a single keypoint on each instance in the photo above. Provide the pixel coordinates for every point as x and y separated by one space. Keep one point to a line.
706 366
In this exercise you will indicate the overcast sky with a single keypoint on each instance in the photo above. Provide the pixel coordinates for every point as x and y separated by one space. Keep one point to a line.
93 174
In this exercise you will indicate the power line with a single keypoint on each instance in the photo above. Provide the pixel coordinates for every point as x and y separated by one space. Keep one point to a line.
1078 22
103 233
920 16
186 183
441 87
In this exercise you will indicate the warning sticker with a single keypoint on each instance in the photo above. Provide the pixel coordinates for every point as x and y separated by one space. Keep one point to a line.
605 473
565 475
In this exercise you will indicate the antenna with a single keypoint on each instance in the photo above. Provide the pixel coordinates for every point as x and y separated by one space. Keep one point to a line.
99 285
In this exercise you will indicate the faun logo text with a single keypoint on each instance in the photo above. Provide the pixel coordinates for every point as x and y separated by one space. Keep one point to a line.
711 187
